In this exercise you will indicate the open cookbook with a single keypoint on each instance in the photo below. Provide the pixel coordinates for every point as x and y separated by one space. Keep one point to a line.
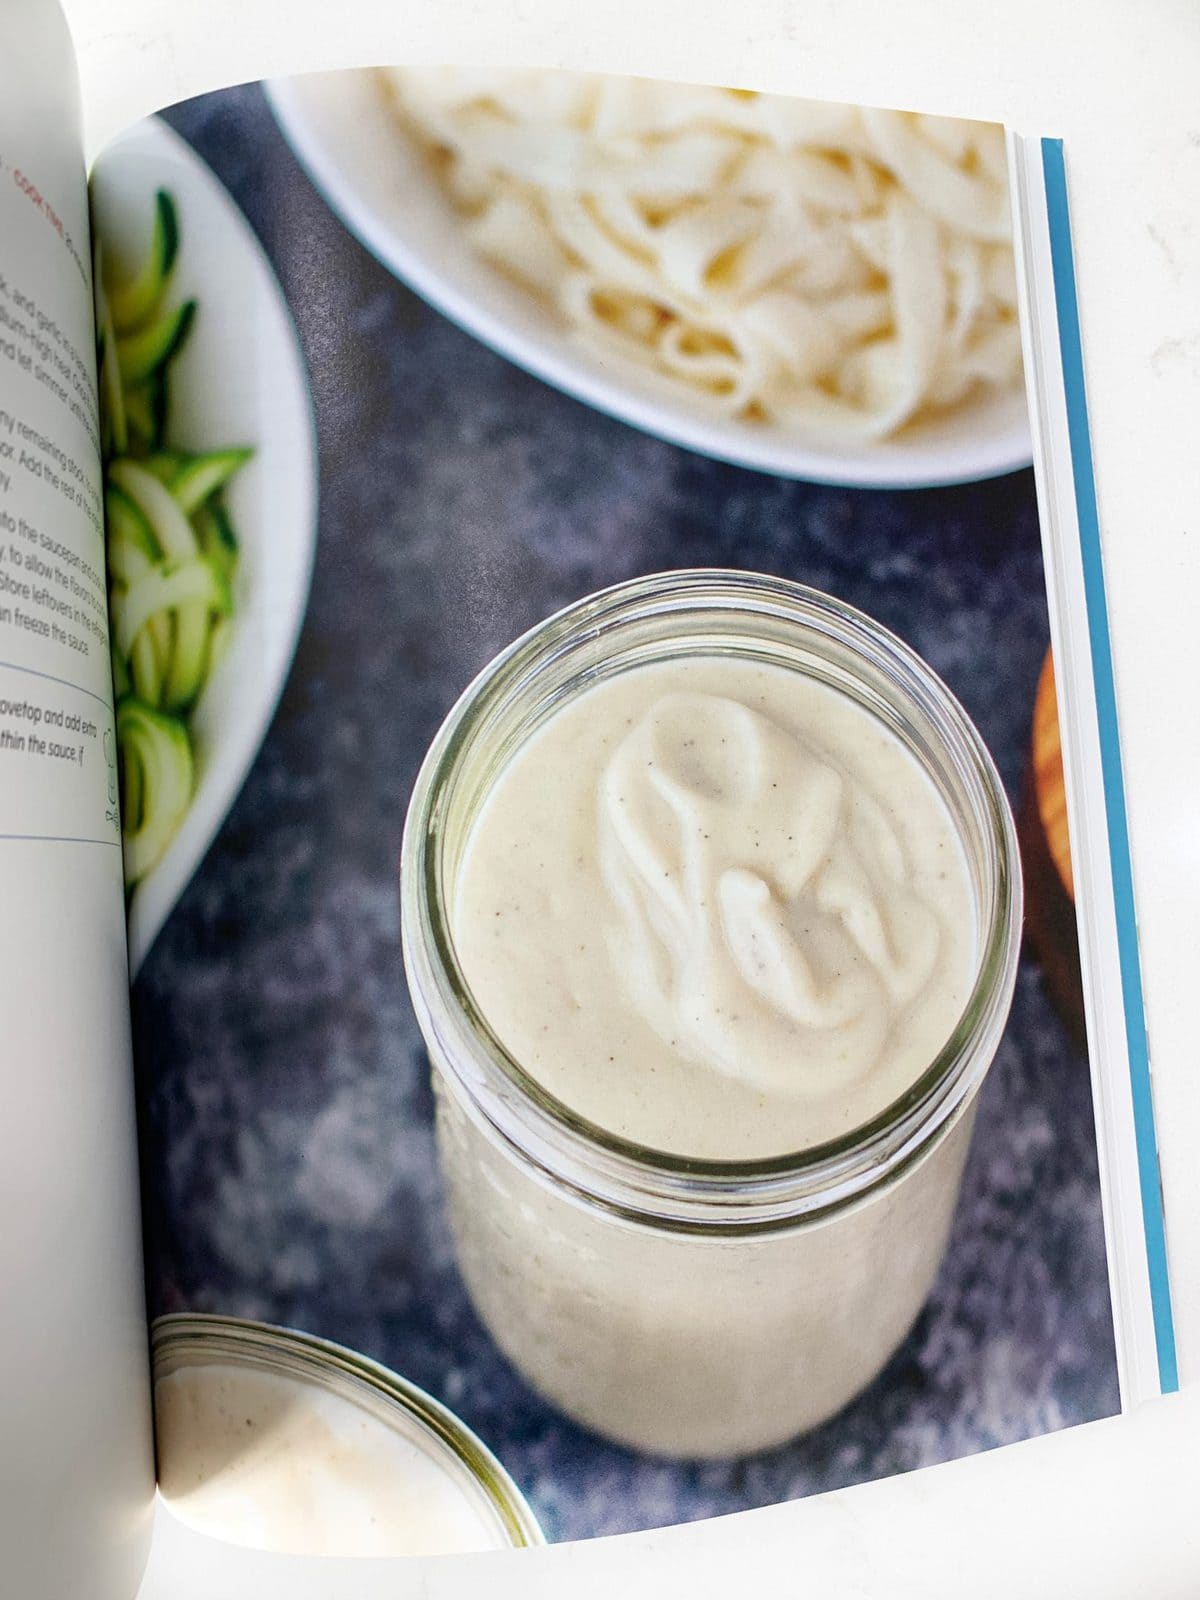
570 961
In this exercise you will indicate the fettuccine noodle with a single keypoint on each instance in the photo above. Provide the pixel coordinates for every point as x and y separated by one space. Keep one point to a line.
834 270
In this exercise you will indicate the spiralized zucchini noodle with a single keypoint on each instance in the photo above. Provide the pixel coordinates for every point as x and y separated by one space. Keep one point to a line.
836 271
171 547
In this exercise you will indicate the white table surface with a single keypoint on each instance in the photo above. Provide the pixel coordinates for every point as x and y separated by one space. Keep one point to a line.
1119 84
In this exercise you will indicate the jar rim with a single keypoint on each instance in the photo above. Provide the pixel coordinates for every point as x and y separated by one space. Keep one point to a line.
191 1337
604 1167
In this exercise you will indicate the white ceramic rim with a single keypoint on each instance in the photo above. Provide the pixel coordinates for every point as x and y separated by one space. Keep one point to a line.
331 120
273 501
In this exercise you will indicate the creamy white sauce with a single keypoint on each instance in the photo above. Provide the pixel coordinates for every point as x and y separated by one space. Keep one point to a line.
718 908
270 1462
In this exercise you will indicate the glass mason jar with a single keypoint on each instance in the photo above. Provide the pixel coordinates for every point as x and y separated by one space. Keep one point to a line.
462 1491
696 1307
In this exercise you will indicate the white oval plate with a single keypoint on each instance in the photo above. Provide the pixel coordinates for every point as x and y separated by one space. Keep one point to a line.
339 125
240 379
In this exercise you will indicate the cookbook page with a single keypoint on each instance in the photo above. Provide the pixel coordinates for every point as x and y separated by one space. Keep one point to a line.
717 1140
1118 1485
76 1467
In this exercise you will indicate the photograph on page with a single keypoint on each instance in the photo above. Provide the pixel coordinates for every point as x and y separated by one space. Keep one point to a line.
607 1008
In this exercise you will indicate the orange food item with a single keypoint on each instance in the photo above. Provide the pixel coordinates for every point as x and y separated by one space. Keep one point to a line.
1048 782
1046 858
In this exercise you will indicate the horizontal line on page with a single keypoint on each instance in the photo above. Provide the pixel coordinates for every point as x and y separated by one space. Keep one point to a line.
58 838
50 678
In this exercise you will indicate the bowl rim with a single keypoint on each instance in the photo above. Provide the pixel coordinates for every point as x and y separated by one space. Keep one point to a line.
303 107
223 768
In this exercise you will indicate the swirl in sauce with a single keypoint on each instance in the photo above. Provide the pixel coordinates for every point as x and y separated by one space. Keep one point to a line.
718 908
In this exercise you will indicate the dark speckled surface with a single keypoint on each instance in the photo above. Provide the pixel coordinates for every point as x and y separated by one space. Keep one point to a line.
286 1107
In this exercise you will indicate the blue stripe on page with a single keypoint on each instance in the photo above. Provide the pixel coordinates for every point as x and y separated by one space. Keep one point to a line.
1110 757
